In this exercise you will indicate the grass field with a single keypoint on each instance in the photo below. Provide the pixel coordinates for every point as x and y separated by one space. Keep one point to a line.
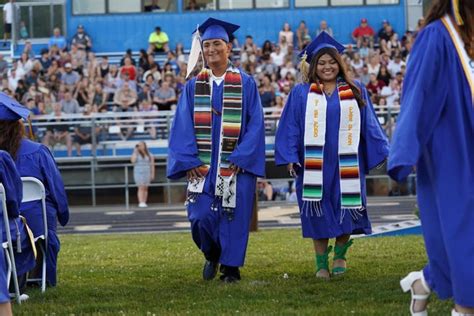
160 274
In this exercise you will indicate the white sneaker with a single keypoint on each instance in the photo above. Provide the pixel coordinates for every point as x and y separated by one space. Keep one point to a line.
142 204
407 285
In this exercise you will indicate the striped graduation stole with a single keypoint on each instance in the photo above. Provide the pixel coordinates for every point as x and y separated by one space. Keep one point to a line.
203 119
349 137
226 184
229 135
314 140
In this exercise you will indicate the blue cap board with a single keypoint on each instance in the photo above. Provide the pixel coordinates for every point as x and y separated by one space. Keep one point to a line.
217 29
323 40
11 110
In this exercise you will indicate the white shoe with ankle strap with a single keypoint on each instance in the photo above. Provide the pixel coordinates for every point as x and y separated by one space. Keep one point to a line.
454 313
407 285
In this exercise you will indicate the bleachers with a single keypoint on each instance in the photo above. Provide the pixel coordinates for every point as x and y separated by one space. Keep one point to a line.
110 144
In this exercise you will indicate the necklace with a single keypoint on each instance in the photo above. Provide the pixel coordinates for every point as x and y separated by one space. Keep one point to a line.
328 92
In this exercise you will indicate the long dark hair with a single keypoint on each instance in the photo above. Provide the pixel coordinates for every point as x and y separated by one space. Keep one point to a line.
146 153
11 134
313 76
466 9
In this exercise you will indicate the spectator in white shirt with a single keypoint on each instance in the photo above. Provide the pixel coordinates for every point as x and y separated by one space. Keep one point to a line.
395 65
278 56
10 13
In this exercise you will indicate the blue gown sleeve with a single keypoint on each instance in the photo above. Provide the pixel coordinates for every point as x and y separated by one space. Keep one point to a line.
424 93
288 135
183 151
249 154
374 142
54 185
10 178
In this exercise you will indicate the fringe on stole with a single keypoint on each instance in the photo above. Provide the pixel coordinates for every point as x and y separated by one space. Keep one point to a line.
311 208
356 213
191 197
228 211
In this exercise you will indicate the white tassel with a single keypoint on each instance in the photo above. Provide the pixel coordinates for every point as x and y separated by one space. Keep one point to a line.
195 52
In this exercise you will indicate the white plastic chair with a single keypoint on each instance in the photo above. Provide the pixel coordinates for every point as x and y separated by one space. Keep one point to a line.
8 245
33 190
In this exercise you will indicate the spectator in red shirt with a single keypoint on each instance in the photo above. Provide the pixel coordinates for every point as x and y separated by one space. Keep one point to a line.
363 31
129 68
375 85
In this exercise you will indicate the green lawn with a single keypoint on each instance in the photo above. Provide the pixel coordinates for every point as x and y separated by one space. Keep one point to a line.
160 274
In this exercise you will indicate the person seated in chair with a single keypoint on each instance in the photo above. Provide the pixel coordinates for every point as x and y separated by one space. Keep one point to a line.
24 248
35 160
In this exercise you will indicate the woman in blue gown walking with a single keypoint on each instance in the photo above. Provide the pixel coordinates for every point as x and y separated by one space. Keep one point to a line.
435 133
329 138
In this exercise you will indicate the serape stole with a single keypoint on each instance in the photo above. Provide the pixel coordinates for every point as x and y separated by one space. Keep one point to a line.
231 120
314 141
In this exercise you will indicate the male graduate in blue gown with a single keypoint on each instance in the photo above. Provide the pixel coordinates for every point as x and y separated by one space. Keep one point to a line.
35 160
435 133
220 106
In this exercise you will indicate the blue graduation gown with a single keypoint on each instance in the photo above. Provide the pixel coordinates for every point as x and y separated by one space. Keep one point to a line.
35 160
289 148
435 132
218 237
22 244
11 181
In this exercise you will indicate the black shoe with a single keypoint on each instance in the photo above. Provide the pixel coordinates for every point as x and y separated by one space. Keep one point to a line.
210 270
229 279
229 274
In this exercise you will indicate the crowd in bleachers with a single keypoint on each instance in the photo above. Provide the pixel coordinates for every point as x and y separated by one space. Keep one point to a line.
68 78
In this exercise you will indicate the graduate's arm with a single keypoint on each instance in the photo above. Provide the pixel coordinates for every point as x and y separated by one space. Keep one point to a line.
10 178
182 148
374 141
287 138
424 94
249 154
54 184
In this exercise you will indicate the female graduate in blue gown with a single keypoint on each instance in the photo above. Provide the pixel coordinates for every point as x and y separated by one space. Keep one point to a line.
327 218
35 160
23 242
222 236
435 133
10 179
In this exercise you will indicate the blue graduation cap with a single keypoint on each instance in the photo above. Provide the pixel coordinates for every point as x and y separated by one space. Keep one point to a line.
217 29
11 110
323 40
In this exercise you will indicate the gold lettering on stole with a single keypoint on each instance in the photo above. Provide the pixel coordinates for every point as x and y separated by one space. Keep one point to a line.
349 126
315 123
315 119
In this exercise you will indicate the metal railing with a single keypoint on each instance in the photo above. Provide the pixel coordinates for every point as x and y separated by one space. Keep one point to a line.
99 164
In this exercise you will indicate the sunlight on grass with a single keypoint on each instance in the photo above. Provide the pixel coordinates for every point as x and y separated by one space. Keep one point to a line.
159 274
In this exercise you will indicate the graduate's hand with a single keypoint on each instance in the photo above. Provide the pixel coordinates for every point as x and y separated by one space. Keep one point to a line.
235 168
291 169
194 174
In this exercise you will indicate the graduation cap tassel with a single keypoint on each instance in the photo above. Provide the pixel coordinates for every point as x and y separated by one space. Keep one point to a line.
31 132
195 53
18 238
304 68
